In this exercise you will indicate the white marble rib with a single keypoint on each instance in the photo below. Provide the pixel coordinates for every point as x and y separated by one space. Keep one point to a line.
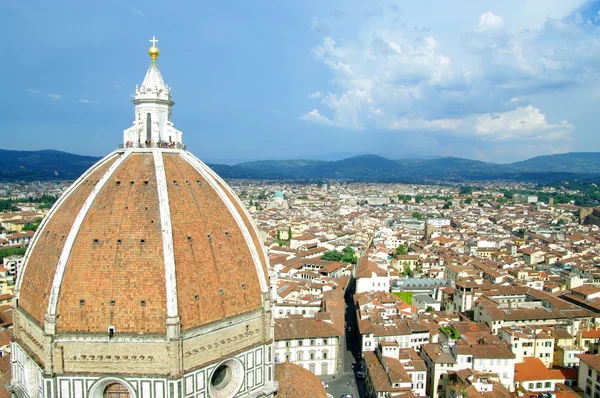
66 252
167 234
202 169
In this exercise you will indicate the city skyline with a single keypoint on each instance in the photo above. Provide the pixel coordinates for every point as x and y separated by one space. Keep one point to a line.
499 82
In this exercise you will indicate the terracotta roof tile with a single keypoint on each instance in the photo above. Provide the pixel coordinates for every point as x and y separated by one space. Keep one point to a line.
296 381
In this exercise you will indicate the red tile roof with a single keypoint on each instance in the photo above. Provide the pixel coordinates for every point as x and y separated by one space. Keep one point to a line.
534 369
295 382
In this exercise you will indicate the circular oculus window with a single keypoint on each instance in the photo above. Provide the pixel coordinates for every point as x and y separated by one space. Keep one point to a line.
227 378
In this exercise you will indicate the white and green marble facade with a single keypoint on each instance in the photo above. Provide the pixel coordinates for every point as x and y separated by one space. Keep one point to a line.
256 380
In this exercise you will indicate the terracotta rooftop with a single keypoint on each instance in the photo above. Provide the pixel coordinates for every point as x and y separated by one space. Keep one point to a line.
533 369
593 361
295 381
464 379
590 334
287 328
366 268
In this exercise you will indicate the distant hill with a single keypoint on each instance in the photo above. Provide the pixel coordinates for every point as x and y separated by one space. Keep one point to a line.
246 173
585 166
570 166
363 167
279 164
451 168
42 165
573 162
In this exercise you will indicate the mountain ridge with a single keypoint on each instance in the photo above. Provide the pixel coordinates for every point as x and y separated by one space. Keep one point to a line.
59 165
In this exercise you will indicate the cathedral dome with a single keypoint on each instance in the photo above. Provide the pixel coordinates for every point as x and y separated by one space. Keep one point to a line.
144 236
146 279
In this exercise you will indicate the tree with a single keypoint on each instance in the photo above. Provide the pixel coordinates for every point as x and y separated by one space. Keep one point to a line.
429 309
418 199
33 226
468 201
331 255
349 258
417 215
401 250
349 250
12 251
7 205
347 255
466 190
447 205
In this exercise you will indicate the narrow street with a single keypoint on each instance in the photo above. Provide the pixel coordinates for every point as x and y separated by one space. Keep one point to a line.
345 381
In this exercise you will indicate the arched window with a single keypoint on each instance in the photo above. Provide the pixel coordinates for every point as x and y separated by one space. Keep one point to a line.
116 390
324 368
148 126
300 356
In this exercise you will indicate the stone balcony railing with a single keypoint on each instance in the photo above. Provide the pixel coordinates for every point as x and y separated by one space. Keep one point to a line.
165 145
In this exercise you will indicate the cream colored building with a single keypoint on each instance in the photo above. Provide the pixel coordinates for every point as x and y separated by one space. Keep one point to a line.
309 343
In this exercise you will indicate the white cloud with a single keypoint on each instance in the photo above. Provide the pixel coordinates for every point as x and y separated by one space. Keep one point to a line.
409 124
84 101
137 12
520 124
315 117
380 77
523 123
389 77
489 20
563 53
118 87
49 95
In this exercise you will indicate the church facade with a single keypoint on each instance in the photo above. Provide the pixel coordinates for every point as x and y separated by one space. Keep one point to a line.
147 279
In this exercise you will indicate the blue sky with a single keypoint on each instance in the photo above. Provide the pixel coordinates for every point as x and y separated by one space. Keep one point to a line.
492 80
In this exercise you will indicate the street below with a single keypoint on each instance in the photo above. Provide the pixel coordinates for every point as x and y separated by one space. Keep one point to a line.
345 381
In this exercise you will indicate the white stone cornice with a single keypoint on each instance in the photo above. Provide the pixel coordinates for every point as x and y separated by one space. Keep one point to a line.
167 234
211 179
150 150
53 210
66 252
